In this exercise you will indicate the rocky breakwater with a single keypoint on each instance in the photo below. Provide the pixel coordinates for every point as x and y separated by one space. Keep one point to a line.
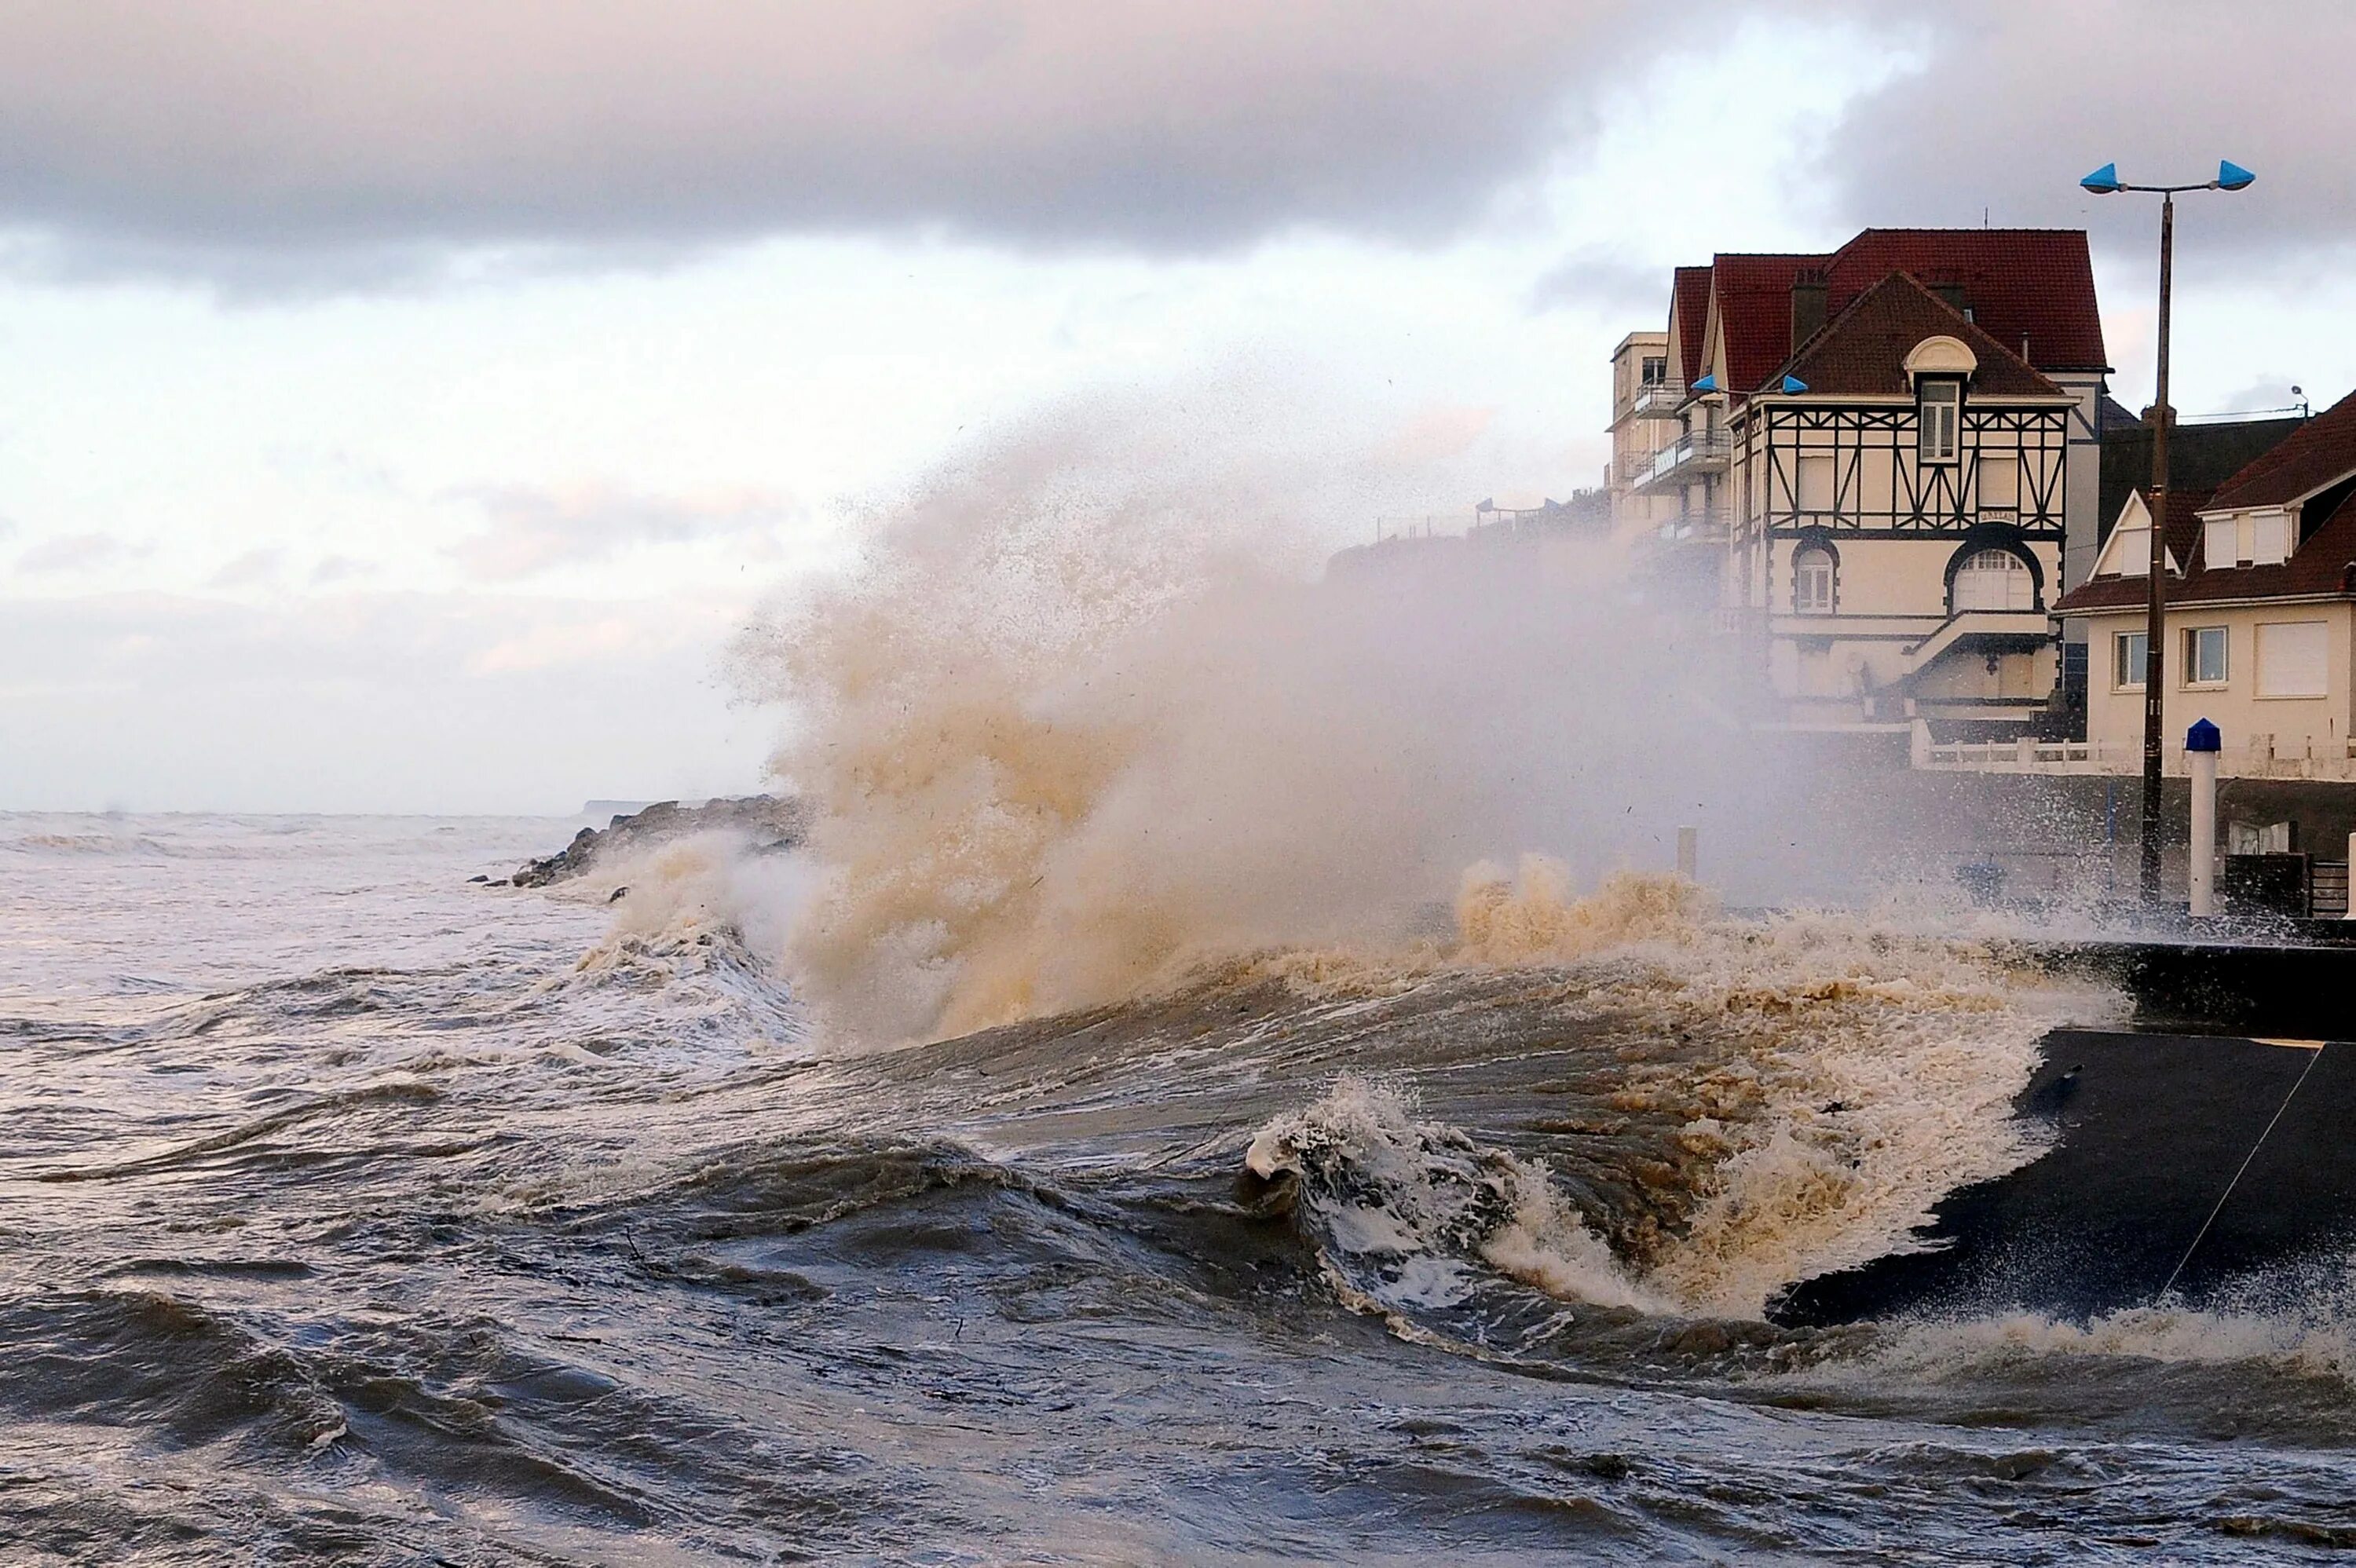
766 822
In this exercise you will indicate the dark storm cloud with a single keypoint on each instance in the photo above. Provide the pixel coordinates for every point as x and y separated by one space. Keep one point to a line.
267 143
2017 101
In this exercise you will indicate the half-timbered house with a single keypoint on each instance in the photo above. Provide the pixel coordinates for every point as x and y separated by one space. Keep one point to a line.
1895 480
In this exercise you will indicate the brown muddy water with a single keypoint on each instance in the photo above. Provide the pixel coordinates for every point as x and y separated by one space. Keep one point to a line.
353 1214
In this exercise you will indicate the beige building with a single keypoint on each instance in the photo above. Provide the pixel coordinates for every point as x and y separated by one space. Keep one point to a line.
1640 388
1891 453
2260 616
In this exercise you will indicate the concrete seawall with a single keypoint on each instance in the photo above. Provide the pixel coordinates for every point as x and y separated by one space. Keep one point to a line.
2212 1150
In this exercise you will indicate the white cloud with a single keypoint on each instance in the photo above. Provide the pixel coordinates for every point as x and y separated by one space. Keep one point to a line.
254 569
533 530
366 702
78 553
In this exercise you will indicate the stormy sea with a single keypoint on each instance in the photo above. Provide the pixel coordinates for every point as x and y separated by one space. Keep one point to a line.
357 1212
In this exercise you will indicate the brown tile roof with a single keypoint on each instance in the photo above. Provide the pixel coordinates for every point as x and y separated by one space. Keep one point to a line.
2324 564
2199 457
2320 452
2033 284
1689 304
1863 350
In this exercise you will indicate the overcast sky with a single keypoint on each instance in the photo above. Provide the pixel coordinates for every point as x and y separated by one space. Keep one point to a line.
400 405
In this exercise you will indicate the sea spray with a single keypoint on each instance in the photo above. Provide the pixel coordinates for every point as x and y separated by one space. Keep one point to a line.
1084 717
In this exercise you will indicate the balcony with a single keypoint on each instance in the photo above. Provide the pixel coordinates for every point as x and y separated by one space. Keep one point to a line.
1684 460
1697 524
1657 400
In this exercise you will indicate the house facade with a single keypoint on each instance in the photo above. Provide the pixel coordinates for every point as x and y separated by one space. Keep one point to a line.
1890 454
2260 614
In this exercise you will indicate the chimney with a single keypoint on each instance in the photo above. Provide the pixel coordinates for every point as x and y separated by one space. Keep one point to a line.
1807 306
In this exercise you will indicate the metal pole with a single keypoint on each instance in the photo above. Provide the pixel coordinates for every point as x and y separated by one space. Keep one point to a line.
2155 643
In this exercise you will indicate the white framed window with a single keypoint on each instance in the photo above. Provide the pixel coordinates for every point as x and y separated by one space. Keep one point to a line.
2294 658
1994 580
2221 541
1939 408
1655 370
1815 484
2205 651
1811 580
2127 661
2269 538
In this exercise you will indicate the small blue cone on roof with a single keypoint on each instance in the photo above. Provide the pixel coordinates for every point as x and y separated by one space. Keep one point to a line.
2103 181
2234 177
1706 383
2202 737
1794 384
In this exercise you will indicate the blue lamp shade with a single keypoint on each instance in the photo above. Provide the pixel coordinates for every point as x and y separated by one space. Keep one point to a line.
2103 181
2202 737
2234 177
1706 383
1794 384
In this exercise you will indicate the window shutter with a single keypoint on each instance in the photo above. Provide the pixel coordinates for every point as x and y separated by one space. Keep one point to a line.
2220 542
2294 659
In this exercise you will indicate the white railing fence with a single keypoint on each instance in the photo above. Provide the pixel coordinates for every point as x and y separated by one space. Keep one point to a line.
2261 758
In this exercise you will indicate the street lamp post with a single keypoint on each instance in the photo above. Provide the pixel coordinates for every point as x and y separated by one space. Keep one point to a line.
2105 181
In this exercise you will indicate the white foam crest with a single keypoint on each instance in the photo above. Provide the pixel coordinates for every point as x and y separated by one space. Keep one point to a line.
1849 1079
692 914
1406 1203
2313 1342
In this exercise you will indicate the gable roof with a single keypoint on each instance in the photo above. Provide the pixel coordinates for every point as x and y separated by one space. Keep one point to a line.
1750 302
2024 286
1690 311
2032 289
1863 350
2183 533
2320 452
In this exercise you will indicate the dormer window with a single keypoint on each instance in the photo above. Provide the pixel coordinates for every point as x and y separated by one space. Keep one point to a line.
2269 538
2247 539
1940 405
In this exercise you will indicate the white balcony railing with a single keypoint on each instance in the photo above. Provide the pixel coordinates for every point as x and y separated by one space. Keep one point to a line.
1690 457
2263 758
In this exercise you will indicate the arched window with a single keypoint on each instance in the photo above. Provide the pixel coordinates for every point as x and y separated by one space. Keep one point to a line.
1994 580
1811 580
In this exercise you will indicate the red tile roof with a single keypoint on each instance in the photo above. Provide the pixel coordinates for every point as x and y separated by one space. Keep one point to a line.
2024 287
1689 305
1864 349
2320 452
1750 298
2324 564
